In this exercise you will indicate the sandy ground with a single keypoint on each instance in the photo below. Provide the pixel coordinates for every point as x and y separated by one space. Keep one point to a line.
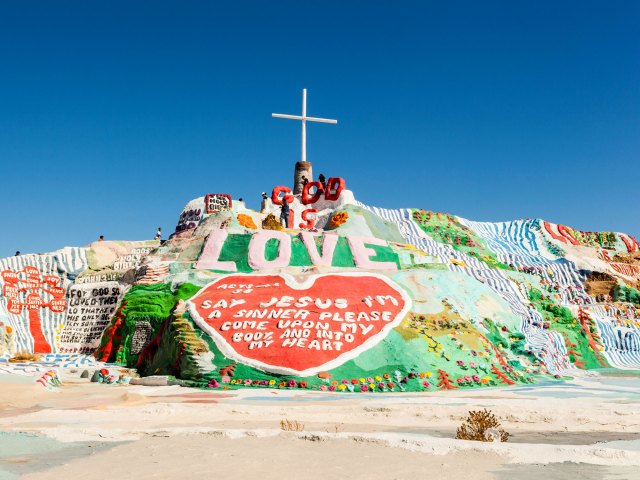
585 428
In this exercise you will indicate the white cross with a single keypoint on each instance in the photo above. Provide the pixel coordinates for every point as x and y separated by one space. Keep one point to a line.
304 119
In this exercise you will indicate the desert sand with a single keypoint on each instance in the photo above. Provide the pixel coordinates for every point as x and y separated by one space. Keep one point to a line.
588 427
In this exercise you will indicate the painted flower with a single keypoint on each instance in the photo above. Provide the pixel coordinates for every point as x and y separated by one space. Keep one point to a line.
381 386
354 381
460 363
386 375
378 378
334 382
372 386
342 388
474 353
338 219
282 384
247 382
476 378
255 382
473 365
460 380
332 388
422 374
429 374
351 388
369 380
291 383
485 380
272 383
363 380
323 388
225 379
344 382
364 388
390 385
467 378
426 384
302 384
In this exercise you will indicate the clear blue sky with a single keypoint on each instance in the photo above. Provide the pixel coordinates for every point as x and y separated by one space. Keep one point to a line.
114 114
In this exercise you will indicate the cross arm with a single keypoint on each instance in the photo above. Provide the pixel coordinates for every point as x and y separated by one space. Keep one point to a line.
323 120
292 117
311 119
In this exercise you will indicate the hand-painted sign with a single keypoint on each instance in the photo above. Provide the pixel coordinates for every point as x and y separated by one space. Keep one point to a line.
217 202
27 290
276 324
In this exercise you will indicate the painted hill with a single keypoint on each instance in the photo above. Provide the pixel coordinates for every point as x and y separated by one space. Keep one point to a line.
350 298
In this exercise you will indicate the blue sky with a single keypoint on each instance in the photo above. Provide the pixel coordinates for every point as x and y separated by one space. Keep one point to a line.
114 114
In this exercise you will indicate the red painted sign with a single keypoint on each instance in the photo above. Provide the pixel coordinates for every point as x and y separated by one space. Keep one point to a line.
276 324
10 291
58 305
51 280
10 276
20 290
14 307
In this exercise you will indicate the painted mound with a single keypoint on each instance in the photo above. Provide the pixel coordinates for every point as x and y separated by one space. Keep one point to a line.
349 298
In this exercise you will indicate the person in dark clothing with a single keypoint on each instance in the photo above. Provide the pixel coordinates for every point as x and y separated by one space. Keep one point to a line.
284 214
323 181
18 253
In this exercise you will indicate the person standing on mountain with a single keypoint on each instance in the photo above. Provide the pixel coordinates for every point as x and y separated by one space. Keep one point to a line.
323 181
284 213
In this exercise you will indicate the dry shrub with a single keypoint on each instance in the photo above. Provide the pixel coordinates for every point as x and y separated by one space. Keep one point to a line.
337 428
291 426
25 357
481 426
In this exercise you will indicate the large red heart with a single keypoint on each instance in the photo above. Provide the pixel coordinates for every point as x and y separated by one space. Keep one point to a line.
275 324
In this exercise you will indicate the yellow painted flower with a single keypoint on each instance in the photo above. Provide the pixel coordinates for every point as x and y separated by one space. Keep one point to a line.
272 382
378 378
362 380
429 374
342 387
